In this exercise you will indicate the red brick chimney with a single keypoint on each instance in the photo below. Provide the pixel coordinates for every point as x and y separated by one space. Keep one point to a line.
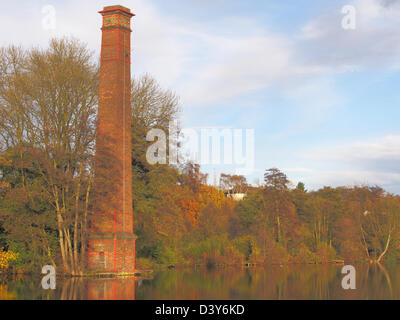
111 247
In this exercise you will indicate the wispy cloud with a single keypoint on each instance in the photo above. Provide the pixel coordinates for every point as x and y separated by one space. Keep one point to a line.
361 162
215 62
375 42
385 148
227 59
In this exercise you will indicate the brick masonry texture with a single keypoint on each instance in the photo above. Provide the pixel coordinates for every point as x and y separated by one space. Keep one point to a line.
111 247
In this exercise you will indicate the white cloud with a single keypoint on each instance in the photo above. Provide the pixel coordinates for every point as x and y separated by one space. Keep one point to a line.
386 148
362 162
218 61
156 44
221 60
298 170
237 65
336 178
374 44
204 63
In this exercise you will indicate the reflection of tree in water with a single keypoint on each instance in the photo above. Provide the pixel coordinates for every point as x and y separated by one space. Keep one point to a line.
73 289
5 294
272 282
24 287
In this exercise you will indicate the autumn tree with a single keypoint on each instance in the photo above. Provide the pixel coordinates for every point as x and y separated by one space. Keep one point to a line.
276 180
47 102
156 207
301 186
233 183
282 211
380 226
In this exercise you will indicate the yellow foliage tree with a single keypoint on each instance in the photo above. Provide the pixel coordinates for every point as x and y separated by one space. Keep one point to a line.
5 258
209 194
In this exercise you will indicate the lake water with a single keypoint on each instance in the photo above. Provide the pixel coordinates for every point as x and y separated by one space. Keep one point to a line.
230 283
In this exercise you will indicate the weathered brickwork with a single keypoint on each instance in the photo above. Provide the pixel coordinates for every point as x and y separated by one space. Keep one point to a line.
111 247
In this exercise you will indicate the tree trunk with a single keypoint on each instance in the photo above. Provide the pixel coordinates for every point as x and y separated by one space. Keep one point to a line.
384 251
77 192
61 237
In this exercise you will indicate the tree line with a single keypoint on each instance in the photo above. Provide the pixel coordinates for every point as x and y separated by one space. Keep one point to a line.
48 100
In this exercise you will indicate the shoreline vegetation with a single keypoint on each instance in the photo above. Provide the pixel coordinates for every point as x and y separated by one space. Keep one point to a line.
48 100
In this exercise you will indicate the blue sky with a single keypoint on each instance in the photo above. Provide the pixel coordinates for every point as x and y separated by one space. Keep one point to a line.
323 101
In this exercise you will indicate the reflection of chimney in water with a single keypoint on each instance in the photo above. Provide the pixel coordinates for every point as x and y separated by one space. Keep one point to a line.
110 289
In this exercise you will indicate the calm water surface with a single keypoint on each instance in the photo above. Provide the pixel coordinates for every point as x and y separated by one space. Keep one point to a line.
277 282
